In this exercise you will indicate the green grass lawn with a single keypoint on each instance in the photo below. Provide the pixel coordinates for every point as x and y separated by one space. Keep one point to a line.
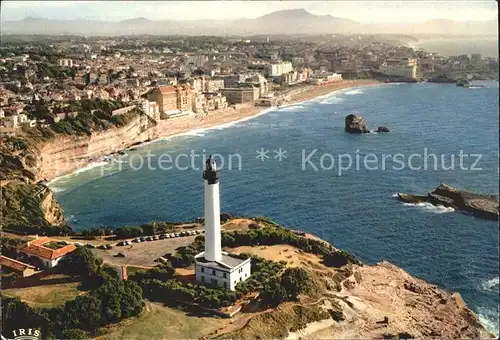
131 270
46 296
160 322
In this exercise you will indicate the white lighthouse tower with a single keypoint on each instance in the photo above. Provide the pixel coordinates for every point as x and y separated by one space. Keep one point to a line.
213 266
213 251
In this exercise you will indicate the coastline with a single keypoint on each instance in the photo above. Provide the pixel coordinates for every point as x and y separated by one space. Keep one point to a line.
181 126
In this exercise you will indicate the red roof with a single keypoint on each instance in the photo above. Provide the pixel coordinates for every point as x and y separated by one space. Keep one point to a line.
167 88
37 249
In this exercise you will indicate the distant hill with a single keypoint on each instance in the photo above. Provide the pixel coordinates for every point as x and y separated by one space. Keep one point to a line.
295 21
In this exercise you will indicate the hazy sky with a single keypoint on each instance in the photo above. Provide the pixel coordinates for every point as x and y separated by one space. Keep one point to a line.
364 11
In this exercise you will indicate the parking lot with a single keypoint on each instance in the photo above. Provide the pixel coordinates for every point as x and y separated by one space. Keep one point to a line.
143 253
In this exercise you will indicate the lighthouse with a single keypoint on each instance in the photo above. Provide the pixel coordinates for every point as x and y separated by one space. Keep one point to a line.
215 267
213 250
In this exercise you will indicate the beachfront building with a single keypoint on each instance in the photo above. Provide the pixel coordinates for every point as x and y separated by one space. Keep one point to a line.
48 251
172 101
213 266
323 78
240 95
276 69
407 72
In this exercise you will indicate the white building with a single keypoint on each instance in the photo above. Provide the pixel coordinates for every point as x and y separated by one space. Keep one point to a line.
406 72
151 109
213 266
66 62
279 68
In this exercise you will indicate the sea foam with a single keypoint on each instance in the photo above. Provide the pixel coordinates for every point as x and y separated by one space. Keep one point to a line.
437 209
88 167
490 284
352 92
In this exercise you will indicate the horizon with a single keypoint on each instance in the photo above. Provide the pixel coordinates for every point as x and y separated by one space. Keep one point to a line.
389 12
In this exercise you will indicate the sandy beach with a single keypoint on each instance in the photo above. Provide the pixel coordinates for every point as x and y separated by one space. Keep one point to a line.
63 156
177 126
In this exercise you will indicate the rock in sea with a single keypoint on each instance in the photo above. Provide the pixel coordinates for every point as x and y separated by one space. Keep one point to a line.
355 124
383 129
483 206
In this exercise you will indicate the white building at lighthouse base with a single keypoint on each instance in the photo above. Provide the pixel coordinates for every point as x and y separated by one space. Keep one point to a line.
225 273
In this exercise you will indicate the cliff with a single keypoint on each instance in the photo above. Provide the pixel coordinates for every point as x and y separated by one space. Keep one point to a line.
27 161
64 154
351 300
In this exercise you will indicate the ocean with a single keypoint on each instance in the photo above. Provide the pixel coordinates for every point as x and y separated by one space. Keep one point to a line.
300 186
487 47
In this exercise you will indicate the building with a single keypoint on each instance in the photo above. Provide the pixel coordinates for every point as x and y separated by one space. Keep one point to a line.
239 95
23 269
150 109
42 250
65 62
403 72
172 100
214 84
322 78
213 266
279 68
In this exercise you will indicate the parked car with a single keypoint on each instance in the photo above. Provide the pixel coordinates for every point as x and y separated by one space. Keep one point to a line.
109 246
177 234
162 237
120 255
172 235
102 246
89 245
136 240
121 244
156 237
143 238
78 244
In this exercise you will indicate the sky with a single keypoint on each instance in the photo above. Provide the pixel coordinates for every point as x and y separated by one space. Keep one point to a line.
363 11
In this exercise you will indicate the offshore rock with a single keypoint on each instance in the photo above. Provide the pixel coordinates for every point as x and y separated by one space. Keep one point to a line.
484 206
383 129
355 124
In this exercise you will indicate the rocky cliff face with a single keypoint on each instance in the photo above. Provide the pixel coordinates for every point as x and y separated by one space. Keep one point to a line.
27 204
64 153
31 208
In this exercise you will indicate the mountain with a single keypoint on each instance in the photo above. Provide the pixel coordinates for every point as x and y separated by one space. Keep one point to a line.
294 21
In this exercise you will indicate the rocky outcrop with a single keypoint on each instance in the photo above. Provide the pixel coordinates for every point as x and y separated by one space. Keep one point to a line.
355 124
484 206
31 208
382 129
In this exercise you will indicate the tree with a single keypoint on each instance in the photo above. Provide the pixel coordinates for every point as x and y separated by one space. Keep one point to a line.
82 262
74 334
274 293
294 281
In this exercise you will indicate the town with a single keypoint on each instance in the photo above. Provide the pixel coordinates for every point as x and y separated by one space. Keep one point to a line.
43 81
68 100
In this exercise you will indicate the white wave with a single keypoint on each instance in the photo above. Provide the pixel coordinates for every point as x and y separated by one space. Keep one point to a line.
356 91
56 189
395 195
332 100
490 284
88 167
489 322
293 108
438 209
